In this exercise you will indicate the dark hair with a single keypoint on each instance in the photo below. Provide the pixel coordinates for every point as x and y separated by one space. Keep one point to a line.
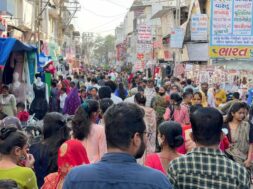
21 105
188 81
94 80
54 83
104 92
206 126
140 99
5 87
186 94
105 104
122 91
189 90
198 93
81 123
72 84
195 107
176 97
157 89
204 83
172 132
69 78
55 127
11 137
112 85
8 184
60 77
93 88
236 95
38 75
122 121
175 86
234 108
64 89
88 79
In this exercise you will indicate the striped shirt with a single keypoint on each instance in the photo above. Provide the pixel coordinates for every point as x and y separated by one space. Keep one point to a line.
207 168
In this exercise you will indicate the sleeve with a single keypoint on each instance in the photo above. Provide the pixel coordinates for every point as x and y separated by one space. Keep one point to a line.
172 177
14 104
249 100
32 182
224 99
67 182
166 115
251 133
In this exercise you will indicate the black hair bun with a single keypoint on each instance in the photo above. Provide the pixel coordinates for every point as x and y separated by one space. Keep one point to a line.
5 132
178 141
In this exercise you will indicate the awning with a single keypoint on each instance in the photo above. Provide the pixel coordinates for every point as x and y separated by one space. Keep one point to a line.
8 45
197 52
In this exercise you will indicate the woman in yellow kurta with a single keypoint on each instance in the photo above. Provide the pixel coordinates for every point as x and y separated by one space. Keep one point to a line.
13 150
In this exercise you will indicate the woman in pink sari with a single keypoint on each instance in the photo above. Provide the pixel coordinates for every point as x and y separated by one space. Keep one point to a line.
71 154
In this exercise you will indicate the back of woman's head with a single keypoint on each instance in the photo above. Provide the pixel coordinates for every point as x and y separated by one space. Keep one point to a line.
105 104
55 126
121 86
176 97
234 108
172 132
11 137
140 99
71 153
81 122
8 184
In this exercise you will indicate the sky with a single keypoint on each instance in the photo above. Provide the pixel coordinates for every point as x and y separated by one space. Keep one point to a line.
101 16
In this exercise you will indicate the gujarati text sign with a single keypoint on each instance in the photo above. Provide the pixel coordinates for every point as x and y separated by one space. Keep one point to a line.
199 27
231 32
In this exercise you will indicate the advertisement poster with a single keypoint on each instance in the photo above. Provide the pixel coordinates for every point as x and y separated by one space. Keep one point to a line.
177 38
231 31
199 27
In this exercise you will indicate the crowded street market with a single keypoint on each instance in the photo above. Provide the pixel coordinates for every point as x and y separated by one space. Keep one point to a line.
164 100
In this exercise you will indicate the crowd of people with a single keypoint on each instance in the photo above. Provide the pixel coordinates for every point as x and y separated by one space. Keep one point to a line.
127 131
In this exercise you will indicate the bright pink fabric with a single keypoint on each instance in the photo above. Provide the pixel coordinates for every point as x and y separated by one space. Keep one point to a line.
153 161
180 115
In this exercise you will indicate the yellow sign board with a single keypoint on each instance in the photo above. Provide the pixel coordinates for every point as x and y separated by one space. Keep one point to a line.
231 52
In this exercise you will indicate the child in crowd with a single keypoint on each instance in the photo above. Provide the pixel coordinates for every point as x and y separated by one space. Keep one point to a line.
63 96
22 114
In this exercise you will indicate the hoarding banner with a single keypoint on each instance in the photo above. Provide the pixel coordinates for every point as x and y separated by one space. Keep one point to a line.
231 31
199 27
177 38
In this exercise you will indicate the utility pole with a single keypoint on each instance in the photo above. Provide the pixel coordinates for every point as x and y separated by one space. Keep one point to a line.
86 39
177 56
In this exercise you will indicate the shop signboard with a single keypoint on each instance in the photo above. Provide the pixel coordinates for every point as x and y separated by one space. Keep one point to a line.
199 27
231 31
177 38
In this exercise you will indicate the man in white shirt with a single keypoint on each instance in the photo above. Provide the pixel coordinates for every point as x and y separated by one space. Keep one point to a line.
113 87
149 92
132 94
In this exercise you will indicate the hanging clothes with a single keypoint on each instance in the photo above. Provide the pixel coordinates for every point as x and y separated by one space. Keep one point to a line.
39 105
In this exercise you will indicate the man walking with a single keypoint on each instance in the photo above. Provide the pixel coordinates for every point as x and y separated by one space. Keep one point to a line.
126 137
206 166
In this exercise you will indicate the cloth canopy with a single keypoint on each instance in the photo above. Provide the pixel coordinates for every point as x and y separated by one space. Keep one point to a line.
8 45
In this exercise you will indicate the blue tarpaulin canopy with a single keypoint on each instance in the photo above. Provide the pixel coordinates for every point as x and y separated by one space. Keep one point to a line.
8 45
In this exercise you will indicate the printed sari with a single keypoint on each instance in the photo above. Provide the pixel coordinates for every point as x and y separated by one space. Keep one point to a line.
71 154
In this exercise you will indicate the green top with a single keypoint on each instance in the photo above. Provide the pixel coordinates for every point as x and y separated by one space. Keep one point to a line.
24 177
